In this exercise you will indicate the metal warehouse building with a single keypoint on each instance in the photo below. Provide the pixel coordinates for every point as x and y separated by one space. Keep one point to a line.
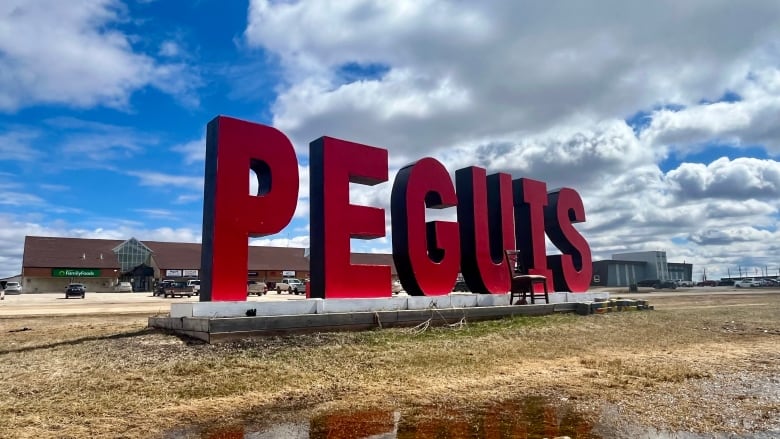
625 269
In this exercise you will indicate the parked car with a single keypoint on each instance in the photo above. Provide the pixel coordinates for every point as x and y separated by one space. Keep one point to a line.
665 284
75 290
123 287
726 283
647 283
684 283
256 287
747 282
657 284
13 288
707 283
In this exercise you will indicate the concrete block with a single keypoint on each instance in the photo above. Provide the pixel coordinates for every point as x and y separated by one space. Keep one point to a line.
492 299
239 309
181 310
565 307
556 297
428 302
463 300
361 305
198 324
583 308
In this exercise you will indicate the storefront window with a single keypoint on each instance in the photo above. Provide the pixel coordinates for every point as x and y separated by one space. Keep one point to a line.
132 253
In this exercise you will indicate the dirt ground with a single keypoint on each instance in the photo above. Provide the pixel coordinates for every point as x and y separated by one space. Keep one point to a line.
704 362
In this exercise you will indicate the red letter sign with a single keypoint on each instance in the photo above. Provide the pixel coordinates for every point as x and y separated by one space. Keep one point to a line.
426 255
573 268
230 214
530 199
486 228
334 164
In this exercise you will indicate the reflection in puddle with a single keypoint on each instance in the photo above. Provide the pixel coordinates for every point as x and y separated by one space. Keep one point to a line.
526 419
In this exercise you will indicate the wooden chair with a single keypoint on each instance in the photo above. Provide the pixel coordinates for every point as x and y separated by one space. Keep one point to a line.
522 282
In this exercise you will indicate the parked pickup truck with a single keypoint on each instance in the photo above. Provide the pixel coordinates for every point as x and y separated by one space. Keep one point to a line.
173 289
291 285
256 287
195 285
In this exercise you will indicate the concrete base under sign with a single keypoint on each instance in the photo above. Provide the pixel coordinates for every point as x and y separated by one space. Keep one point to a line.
219 321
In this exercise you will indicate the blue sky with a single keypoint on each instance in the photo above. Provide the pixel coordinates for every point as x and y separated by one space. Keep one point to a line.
661 115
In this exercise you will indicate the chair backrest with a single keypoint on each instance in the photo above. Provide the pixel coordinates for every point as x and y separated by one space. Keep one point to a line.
514 262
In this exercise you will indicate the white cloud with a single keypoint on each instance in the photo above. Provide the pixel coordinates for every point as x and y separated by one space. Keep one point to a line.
169 49
16 145
194 151
739 179
19 199
491 69
86 61
159 179
541 90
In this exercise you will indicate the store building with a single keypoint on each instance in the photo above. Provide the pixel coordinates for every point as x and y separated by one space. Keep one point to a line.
50 263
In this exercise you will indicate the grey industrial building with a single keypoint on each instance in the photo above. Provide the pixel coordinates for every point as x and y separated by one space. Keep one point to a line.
625 269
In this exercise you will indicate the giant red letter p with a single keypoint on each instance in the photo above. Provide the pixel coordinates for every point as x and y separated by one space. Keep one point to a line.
230 214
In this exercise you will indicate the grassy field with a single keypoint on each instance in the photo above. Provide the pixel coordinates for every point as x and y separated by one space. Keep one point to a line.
700 363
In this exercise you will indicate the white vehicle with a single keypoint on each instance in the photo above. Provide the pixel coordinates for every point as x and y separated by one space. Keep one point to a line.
747 282
291 285
13 288
195 285
684 283
123 287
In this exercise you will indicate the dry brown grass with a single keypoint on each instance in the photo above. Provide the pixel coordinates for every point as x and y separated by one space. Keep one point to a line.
108 376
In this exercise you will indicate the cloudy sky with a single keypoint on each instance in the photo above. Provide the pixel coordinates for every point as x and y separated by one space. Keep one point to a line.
660 114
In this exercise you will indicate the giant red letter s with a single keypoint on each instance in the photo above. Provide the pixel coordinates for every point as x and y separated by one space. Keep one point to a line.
334 164
230 214
572 269
426 255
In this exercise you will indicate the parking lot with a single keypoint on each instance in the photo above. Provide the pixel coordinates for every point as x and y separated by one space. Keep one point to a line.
104 303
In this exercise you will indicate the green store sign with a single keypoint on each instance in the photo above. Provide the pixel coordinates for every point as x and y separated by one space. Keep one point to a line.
75 272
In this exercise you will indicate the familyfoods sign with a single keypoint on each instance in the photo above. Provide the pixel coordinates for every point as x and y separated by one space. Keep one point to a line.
494 213
75 272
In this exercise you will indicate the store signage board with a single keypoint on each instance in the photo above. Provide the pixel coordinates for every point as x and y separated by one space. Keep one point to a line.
494 212
75 272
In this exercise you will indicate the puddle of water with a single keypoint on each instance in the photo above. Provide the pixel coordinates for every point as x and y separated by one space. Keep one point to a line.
532 418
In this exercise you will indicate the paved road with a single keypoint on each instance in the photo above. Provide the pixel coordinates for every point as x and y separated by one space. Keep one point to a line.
145 303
